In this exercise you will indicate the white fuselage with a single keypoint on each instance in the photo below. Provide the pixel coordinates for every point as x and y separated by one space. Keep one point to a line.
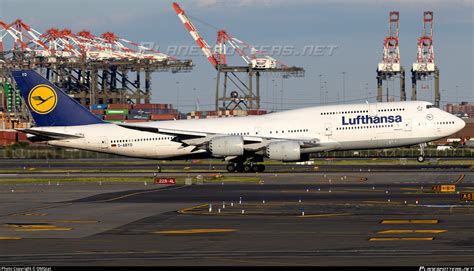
349 127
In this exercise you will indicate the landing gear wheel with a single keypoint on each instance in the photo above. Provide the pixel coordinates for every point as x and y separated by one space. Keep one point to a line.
239 168
231 168
261 168
256 168
247 168
420 159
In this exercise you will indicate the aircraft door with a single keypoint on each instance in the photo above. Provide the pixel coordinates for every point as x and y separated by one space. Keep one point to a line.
407 126
104 143
373 109
328 129
258 131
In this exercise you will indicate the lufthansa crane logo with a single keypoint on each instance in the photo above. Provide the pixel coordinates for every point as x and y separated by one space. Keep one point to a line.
42 99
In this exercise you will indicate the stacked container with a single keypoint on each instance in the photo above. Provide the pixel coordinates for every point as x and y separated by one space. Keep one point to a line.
135 113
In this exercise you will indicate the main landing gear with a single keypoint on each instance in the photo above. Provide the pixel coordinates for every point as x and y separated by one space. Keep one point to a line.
421 157
245 167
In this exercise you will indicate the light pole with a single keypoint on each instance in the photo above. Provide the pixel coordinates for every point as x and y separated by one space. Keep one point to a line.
320 89
457 96
344 87
195 98
177 95
281 101
274 101
326 98
367 90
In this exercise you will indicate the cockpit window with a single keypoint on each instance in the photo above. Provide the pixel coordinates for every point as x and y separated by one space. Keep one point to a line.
428 106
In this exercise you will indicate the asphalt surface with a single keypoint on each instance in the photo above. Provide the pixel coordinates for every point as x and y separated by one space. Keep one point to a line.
392 218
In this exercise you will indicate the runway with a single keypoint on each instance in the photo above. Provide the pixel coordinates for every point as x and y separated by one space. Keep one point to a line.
304 218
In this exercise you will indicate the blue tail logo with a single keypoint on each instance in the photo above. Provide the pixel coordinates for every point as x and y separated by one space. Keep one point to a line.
42 99
49 105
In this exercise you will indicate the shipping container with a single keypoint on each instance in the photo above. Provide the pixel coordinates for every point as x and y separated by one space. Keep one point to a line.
116 111
120 106
163 116
98 111
143 106
115 117
140 111
99 106
138 117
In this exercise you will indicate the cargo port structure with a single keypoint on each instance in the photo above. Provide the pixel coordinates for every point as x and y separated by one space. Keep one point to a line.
244 79
390 68
425 69
104 69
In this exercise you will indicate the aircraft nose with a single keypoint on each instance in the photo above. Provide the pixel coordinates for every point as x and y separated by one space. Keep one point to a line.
460 123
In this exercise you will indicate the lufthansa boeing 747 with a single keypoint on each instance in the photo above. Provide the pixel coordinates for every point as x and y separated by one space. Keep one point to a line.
242 141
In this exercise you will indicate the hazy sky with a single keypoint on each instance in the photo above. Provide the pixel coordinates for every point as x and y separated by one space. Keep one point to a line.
355 29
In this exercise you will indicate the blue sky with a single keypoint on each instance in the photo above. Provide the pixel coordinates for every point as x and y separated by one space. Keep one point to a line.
356 28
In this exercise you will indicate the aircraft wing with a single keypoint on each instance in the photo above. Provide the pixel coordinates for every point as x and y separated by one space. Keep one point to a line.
198 139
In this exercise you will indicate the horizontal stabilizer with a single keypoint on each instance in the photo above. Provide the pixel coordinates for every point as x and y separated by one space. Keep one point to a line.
46 135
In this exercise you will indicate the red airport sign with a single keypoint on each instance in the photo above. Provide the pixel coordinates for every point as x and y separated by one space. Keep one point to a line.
165 181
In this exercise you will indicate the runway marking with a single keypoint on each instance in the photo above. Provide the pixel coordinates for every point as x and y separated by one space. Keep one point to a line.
412 231
460 179
410 221
138 193
324 215
401 239
10 238
194 231
182 211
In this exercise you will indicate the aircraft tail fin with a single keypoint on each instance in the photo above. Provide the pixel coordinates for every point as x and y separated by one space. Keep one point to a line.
48 104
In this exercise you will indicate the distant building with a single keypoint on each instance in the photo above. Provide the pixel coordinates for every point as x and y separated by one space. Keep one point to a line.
464 109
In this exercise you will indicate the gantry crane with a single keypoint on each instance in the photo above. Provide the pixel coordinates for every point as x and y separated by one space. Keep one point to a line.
93 69
390 67
424 68
256 63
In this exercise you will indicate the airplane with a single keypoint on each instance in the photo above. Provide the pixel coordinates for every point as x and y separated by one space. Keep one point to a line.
244 142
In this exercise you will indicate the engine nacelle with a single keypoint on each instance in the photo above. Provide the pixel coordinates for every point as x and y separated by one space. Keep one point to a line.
226 146
287 151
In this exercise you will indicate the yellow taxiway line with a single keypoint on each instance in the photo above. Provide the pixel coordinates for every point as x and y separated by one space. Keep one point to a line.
44 229
410 221
412 231
460 178
34 227
10 238
182 211
401 239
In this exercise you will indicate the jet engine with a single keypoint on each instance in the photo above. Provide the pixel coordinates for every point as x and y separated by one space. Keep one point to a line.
226 146
287 151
